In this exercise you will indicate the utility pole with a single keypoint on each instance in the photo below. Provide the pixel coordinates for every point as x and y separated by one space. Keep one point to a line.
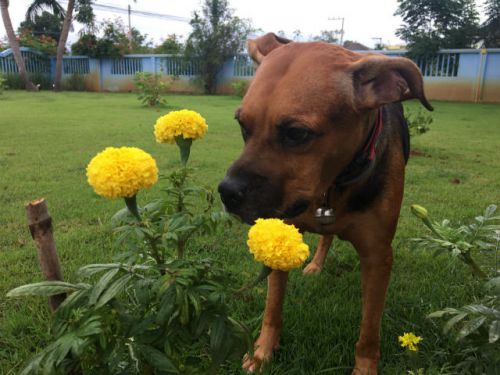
379 44
342 28
129 9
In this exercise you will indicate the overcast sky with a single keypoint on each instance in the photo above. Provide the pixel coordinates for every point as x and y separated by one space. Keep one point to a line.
364 19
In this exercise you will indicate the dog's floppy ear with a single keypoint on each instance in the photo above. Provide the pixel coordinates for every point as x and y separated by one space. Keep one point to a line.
260 47
379 80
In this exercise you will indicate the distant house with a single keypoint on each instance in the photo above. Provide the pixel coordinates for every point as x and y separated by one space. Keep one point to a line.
355 46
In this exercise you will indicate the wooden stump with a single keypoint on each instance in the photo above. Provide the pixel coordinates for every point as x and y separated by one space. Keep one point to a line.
40 225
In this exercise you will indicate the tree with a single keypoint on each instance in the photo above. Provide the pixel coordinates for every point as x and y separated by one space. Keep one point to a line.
328 36
114 42
45 23
83 14
38 7
490 29
171 45
433 24
297 35
14 45
61 46
216 36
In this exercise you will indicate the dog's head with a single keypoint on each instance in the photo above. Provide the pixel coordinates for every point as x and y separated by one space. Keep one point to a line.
305 114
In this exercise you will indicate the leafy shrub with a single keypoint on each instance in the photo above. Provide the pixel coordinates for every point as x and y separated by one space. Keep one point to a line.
15 82
477 325
418 122
3 84
43 43
75 82
150 87
240 88
151 311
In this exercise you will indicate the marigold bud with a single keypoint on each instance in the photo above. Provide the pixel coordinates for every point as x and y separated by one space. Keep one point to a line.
419 212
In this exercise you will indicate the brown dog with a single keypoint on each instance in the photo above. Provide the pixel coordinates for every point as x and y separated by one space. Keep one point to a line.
322 137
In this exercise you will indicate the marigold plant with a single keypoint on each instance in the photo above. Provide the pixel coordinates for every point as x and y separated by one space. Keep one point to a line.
121 172
277 245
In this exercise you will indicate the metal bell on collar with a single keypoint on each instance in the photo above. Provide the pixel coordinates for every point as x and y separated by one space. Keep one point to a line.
325 215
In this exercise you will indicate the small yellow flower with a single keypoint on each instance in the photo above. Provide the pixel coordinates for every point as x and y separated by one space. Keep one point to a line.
185 123
277 245
121 172
410 341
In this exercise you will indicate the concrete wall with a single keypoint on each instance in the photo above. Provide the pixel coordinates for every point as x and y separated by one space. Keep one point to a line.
458 75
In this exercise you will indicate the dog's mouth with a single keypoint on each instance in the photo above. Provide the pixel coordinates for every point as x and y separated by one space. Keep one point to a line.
296 209
292 211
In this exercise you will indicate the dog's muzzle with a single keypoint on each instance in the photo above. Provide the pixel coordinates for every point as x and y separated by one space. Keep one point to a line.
232 193
253 197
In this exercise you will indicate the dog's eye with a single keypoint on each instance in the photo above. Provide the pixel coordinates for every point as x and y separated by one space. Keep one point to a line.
295 136
245 133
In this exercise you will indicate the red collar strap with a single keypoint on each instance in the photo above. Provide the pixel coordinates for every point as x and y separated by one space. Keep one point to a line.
372 141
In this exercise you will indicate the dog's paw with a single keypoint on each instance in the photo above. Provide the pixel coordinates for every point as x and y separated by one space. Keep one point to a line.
365 367
263 353
312 269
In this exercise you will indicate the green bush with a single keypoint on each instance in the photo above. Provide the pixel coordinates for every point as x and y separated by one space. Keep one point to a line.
240 88
75 82
418 122
153 310
151 87
3 84
14 81
475 326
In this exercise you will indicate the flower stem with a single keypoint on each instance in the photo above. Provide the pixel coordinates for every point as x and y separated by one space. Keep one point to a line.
429 225
474 266
184 147
131 203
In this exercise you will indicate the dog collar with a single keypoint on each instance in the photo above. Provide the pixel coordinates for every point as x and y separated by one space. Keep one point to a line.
364 161
358 168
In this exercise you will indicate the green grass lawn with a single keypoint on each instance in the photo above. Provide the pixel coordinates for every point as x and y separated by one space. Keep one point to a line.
47 139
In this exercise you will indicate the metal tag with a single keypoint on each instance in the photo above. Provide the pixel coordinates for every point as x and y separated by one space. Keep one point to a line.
325 216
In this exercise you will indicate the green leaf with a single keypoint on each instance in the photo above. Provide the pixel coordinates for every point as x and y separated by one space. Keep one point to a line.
195 301
92 326
92 269
470 327
44 288
113 290
120 216
490 210
101 285
451 322
494 331
441 313
217 333
157 359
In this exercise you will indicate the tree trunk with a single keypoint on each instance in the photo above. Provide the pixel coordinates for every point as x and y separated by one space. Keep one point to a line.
14 46
61 46
40 224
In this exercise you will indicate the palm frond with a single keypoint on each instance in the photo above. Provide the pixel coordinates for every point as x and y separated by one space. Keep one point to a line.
37 6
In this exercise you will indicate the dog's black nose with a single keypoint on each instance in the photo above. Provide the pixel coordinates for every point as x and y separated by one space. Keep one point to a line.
232 192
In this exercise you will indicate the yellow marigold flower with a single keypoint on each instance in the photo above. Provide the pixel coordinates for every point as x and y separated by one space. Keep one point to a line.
185 123
121 172
410 341
277 245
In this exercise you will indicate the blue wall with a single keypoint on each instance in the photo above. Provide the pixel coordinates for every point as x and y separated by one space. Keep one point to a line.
464 75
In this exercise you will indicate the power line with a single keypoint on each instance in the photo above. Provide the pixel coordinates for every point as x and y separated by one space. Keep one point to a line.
141 13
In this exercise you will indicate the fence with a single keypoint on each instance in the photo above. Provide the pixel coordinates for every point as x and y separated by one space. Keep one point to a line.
462 74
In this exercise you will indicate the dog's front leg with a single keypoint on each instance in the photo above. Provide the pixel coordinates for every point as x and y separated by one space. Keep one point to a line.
316 265
376 264
269 336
